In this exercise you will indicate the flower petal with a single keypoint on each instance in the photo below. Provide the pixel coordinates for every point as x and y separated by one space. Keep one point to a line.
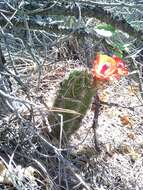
106 67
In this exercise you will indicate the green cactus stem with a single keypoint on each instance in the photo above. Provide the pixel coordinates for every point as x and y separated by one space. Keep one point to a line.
73 99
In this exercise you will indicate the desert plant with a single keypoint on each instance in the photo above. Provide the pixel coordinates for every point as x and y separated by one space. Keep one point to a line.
73 99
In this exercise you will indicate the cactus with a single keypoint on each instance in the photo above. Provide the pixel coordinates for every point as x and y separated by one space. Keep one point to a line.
75 94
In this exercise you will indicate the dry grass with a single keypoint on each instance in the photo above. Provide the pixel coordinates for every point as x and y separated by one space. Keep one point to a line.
32 161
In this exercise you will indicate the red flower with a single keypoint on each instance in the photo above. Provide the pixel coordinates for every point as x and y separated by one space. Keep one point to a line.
106 67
